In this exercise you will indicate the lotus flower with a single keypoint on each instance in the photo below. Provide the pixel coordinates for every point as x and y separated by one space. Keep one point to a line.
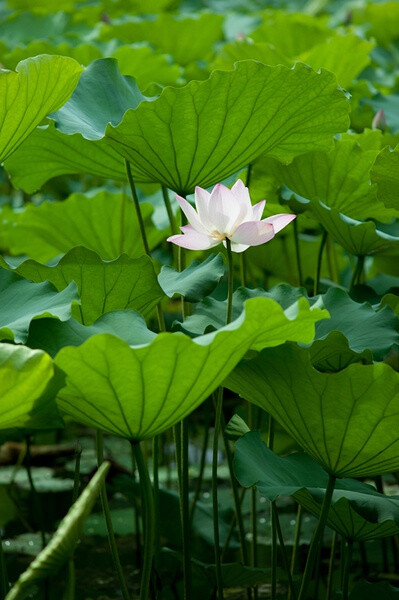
226 213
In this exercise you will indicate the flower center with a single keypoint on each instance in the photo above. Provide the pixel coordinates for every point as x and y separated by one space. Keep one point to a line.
218 236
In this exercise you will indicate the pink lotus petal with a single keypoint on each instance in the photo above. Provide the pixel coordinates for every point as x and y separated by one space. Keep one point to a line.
202 204
242 194
223 208
257 210
191 215
279 221
253 233
193 240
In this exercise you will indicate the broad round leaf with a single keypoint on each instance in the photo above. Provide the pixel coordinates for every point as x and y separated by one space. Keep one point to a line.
38 86
357 511
348 421
22 301
207 130
103 286
138 392
105 223
385 173
48 153
361 238
28 387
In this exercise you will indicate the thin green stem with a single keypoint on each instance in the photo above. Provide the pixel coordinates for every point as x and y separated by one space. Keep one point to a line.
202 463
76 476
215 503
330 576
230 281
185 510
319 261
108 520
168 206
283 552
317 538
253 509
35 496
149 521
4 585
136 204
331 259
357 271
155 478
297 537
273 549
238 518
71 584
346 569
136 515
232 525
298 253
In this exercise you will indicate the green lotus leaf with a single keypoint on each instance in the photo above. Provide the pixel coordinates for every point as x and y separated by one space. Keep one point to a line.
357 512
102 96
364 327
291 33
51 335
38 86
385 173
19 28
195 282
187 39
138 392
48 153
21 301
345 55
327 54
360 238
339 177
346 421
146 65
381 21
105 223
202 133
61 546
84 53
247 49
210 314
360 326
334 353
103 286
29 384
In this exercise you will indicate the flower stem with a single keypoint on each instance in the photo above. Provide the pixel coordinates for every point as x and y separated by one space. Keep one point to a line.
215 503
297 537
136 203
149 521
270 443
137 207
283 552
298 253
346 569
168 206
357 271
319 261
184 509
35 496
317 538
230 281
4 585
200 478
330 576
108 520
